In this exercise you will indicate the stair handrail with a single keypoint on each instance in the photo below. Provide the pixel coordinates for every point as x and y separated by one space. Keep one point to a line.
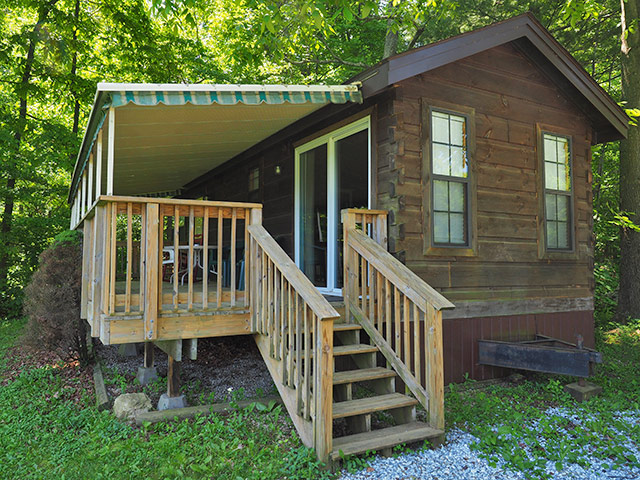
384 295
273 279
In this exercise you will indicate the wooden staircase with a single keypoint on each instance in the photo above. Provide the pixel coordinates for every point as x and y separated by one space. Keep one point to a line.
336 372
362 390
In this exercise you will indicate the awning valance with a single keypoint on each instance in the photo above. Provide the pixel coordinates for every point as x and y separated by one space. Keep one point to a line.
222 97
266 108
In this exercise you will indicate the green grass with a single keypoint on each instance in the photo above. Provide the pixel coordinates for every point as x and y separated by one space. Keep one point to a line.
45 435
508 418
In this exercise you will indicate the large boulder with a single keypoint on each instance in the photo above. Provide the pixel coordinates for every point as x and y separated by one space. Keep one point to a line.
127 405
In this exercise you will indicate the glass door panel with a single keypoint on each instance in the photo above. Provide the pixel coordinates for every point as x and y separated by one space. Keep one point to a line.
313 215
352 162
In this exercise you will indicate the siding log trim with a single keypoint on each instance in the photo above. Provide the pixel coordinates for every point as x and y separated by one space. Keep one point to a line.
477 309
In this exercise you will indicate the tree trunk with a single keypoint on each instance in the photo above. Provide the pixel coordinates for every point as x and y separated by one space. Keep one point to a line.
390 42
629 296
23 92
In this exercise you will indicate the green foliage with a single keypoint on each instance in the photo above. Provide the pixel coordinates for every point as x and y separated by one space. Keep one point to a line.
46 436
68 236
53 301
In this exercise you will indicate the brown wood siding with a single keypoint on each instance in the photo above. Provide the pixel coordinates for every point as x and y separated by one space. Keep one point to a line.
510 97
460 338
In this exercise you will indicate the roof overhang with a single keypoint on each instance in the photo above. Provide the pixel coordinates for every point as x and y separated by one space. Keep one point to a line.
166 135
609 121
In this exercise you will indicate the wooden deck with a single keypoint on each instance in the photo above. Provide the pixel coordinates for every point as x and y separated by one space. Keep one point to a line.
130 295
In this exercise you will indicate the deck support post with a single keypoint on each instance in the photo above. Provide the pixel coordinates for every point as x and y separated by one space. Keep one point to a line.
172 399
147 373
151 295
323 389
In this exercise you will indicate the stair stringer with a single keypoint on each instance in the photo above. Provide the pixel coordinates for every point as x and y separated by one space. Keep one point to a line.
288 395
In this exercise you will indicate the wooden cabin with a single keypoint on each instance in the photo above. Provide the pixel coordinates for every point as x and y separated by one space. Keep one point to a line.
339 225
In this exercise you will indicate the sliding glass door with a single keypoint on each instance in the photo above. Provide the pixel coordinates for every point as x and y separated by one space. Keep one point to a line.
332 173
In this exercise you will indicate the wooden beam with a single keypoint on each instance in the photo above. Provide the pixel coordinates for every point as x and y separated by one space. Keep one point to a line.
173 377
151 273
148 354
173 348
99 165
323 389
110 149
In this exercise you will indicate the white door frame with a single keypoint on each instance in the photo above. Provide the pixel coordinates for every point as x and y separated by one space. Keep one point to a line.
333 216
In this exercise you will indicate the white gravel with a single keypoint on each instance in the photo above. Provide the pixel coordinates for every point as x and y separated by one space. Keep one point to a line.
456 460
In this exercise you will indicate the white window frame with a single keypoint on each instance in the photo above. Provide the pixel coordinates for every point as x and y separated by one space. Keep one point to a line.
333 219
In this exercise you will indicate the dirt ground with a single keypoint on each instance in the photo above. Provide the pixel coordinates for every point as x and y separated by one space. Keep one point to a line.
225 367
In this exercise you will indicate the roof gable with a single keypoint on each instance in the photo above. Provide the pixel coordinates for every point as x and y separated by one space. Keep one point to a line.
524 31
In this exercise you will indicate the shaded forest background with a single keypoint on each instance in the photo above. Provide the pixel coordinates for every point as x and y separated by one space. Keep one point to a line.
52 54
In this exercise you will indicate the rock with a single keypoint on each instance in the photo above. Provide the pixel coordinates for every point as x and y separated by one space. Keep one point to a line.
128 405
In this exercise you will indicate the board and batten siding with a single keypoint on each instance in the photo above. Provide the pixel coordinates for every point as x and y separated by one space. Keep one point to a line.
505 291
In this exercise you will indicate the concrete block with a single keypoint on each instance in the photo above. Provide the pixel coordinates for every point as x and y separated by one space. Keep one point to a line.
128 350
582 393
147 375
166 402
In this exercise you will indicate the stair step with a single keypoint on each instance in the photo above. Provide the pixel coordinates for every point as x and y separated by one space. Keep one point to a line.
353 349
362 375
372 404
344 327
384 438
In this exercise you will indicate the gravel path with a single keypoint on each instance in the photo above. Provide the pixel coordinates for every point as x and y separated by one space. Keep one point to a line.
457 461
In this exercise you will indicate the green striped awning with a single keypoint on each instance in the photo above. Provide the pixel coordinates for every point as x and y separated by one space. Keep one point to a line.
230 97
126 96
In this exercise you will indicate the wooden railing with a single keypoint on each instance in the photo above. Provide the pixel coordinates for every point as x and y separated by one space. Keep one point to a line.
297 322
148 256
398 310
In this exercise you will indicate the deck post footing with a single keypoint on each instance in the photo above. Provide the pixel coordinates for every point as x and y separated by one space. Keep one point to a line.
147 375
582 393
128 350
166 402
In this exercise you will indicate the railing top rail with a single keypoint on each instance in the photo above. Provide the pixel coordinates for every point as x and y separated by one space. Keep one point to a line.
411 284
177 201
364 211
320 306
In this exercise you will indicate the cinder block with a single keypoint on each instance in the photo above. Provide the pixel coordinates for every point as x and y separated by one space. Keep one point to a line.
582 393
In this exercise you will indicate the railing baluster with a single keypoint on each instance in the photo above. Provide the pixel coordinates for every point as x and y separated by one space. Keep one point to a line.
219 269
282 318
396 316
127 297
307 362
106 265
363 282
263 297
416 347
388 315
190 258
299 320
205 258
290 322
176 254
406 328
234 218
112 271
379 300
247 262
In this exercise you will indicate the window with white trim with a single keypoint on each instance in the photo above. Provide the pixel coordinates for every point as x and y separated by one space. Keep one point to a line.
557 192
449 180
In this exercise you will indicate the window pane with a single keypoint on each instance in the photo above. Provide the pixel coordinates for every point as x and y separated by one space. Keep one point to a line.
456 197
457 127
549 149
550 176
551 206
440 159
457 228
563 208
563 235
552 235
440 195
563 180
458 162
440 127
441 227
